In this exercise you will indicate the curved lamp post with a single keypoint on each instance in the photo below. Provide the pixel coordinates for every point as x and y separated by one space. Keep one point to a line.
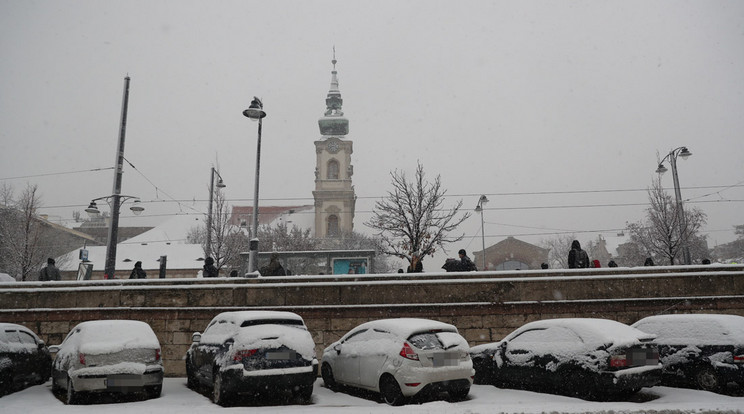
220 184
479 209
114 201
672 157
256 113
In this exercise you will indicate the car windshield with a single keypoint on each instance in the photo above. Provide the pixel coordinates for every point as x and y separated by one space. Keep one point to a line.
254 322
426 340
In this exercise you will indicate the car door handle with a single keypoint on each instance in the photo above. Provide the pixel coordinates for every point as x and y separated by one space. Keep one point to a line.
518 351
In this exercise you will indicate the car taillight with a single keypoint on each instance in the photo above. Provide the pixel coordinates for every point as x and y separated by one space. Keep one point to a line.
81 358
739 359
618 361
408 352
157 355
243 353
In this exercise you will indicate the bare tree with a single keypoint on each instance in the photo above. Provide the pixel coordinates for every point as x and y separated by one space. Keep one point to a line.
227 240
412 218
21 231
283 238
559 247
665 232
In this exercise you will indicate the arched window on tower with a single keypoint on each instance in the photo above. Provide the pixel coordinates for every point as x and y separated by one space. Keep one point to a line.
333 170
333 229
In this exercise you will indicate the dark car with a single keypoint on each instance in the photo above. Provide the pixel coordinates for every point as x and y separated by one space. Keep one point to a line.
24 359
258 353
582 357
701 351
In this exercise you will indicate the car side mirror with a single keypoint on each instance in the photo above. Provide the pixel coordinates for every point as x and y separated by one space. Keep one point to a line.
196 337
337 348
41 345
54 348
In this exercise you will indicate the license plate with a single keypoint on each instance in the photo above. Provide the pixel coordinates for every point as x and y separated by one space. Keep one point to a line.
281 355
446 359
124 381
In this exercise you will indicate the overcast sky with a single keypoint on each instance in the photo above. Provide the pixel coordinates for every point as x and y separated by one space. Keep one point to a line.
512 99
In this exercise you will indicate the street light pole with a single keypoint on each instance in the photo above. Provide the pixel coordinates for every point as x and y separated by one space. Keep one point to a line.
255 112
479 208
220 184
114 201
681 219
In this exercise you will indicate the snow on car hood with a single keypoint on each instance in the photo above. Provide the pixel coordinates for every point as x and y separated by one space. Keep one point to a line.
274 336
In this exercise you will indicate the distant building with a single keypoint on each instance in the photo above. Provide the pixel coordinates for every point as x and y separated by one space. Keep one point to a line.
511 254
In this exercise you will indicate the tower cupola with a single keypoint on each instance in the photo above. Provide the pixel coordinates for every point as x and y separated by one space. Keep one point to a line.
333 122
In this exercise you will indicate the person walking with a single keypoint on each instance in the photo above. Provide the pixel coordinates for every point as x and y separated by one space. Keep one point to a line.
50 272
465 265
274 268
209 268
138 272
416 266
577 257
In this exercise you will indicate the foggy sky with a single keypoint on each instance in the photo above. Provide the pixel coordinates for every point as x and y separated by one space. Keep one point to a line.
538 104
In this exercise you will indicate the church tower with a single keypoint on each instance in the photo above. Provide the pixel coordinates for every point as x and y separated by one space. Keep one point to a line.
334 195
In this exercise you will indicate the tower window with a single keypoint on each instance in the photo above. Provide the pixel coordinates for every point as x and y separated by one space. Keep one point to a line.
333 170
333 229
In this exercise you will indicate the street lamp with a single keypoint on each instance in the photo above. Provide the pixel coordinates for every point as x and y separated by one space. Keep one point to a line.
672 156
114 201
479 209
256 113
220 184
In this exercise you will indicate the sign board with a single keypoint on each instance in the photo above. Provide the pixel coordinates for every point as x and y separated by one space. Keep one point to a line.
350 265
85 270
84 255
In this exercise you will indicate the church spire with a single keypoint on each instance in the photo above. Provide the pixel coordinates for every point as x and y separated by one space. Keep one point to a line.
334 123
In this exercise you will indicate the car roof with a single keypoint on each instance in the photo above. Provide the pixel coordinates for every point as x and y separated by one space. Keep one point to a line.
604 330
405 327
6 325
732 323
239 317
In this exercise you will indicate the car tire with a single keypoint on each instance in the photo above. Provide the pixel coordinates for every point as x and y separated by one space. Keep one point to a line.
327 374
390 390
305 393
219 394
191 380
707 379
459 393
153 391
72 397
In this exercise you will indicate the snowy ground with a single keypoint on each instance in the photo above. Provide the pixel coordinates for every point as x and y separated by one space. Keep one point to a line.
483 399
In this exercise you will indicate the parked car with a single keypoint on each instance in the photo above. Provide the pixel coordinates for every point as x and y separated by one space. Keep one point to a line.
582 357
257 353
117 356
702 351
24 358
400 358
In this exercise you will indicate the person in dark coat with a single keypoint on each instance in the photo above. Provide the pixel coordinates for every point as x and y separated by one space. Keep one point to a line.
50 272
416 266
577 257
611 264
138 272
274 268
209 268
649 262
466 265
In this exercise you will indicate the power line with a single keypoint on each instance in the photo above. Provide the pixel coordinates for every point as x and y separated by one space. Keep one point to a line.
56 173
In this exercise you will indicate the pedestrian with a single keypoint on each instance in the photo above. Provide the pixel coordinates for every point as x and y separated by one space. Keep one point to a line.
274 268
416 266
138 272
209 269
50 272
544 266
611 263
577 257
649 262
466 265
705 261
596 264
234 273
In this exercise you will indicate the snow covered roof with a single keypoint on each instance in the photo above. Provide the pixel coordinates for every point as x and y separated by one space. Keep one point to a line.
696 329
173 230
591 330
97 337
179 256
240 316
405 327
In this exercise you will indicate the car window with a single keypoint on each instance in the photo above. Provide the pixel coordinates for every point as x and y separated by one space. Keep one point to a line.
27 338
219 328
288 322
10 336
553 334
354 336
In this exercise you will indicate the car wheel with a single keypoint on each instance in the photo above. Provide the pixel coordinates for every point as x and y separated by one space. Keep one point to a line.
219 394
305 393
706 379
154 391
390 390
72 397
327 373
459 393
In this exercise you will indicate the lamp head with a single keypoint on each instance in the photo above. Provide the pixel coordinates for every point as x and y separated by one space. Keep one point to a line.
136 208
685 153
661 170
92 209
221 184
255 111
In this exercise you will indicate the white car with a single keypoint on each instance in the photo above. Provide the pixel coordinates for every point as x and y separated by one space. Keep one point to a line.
400 358
118 356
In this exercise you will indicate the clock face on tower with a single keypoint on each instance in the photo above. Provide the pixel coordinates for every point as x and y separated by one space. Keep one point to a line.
332 147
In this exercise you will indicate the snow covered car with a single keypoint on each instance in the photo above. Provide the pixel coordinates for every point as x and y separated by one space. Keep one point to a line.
703 351
400 358
254 353
482 356
117 356
24 359
582 357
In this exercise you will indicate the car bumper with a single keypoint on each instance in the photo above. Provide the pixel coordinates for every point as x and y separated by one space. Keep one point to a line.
730 372
631 378
241 381
116 382
413 380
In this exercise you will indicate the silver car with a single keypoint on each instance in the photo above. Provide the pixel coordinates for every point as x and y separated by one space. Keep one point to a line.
400 358
117 356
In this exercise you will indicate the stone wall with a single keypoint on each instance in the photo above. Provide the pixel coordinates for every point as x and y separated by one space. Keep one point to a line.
485 306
